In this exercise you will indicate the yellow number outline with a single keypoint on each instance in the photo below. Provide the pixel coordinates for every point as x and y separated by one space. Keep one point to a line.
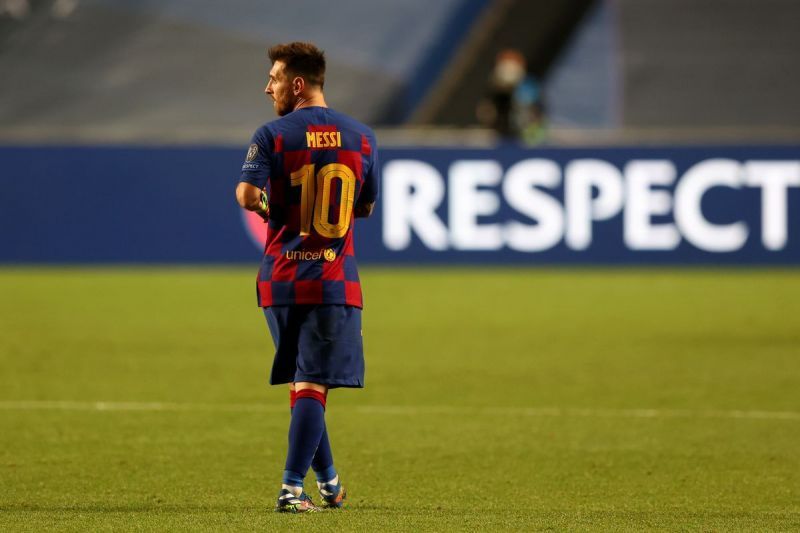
315 208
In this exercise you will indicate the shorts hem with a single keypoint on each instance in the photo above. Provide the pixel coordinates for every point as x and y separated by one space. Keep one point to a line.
309 303
330 383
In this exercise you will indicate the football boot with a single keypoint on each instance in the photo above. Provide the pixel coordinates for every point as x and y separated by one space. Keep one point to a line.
289 503
332 495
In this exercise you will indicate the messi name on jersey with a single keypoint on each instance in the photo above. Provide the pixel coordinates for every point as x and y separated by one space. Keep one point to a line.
316 140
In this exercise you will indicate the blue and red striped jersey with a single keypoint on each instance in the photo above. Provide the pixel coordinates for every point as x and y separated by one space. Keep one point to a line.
316 165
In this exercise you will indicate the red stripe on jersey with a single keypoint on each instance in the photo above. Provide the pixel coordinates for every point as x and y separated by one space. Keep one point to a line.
284 269
352 293
307 292
273 242
274 245
295 159
366 149
265 293
279 143
333 270
352 159
348 248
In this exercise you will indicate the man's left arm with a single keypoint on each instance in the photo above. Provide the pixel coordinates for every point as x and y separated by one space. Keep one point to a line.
369 190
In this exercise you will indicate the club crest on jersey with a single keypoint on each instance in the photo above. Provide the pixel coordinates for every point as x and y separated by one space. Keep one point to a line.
252 153
323 139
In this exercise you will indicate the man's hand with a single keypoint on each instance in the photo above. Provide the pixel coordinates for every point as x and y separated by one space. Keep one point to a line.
253 199
363 210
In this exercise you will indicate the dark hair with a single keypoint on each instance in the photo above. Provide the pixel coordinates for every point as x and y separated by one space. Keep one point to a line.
301 59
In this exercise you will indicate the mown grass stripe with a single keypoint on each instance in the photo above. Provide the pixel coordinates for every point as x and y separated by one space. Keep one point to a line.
101 406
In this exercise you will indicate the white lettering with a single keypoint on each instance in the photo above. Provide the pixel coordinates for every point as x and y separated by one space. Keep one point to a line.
412 191
519 190
467 203
642 202
688 213
580 178
774 178
594 190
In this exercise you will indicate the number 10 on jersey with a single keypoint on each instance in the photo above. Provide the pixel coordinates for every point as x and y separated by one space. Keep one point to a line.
315 198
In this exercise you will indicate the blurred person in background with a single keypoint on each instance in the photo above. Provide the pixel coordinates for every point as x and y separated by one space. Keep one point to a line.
513 106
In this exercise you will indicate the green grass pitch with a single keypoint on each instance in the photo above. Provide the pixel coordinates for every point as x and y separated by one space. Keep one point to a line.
496 399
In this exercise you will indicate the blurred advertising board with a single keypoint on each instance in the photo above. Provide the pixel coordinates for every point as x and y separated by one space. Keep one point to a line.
660 205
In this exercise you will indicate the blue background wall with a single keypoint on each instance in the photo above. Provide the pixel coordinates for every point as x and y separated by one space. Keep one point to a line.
176 205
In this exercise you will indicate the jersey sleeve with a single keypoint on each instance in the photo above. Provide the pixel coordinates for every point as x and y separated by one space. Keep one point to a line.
256 167
369 191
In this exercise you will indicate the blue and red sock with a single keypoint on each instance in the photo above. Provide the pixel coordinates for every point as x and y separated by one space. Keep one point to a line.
322 464
306 432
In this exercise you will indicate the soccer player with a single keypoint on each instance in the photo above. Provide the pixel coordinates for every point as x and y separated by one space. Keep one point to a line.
308 174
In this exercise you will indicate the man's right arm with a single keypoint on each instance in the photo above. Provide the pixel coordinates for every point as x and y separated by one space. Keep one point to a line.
249 197
254 177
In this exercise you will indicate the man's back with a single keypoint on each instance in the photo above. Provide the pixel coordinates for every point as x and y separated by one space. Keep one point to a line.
319 169
318 165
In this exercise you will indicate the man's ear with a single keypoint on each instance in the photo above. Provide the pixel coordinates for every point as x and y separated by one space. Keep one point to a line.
298 84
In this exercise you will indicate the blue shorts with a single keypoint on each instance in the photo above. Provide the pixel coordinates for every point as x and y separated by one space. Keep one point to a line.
316 343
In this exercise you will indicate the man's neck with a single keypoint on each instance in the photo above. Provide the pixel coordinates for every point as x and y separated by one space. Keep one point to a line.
315 100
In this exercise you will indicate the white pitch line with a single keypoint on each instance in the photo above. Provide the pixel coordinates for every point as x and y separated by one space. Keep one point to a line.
389 410
578 412
56 405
